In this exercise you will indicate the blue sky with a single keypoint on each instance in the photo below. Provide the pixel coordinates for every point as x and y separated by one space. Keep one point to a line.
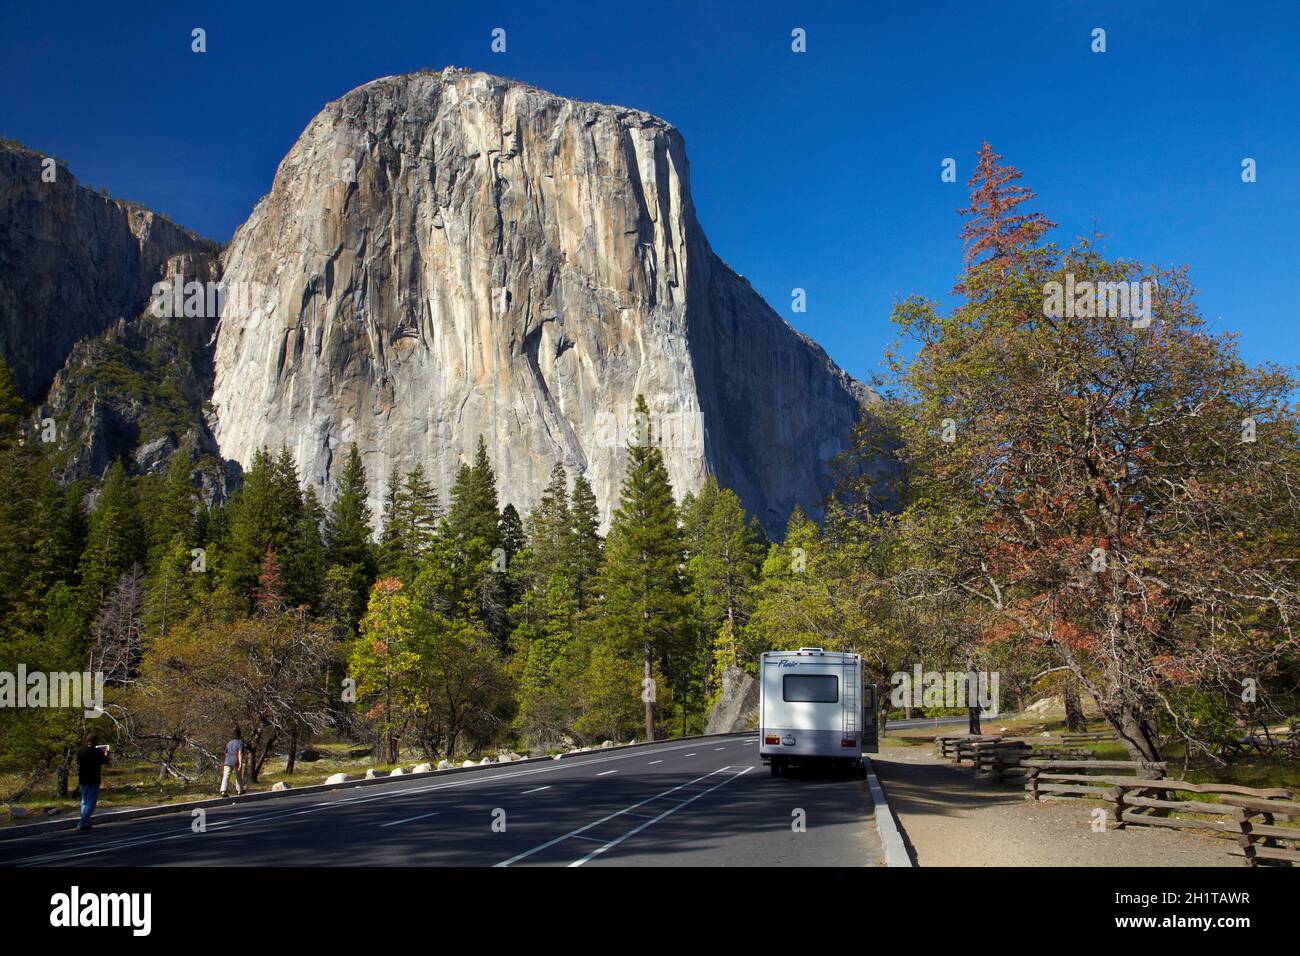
817 170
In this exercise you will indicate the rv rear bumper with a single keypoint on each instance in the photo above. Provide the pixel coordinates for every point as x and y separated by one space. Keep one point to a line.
809 744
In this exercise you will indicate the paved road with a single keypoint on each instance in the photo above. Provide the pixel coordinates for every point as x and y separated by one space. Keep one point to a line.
680 803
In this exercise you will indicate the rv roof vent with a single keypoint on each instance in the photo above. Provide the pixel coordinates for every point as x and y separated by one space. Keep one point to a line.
811 650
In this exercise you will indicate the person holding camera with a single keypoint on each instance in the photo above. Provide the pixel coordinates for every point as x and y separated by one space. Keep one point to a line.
90 761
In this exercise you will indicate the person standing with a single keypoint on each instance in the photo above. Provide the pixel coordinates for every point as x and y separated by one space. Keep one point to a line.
234 764
90 762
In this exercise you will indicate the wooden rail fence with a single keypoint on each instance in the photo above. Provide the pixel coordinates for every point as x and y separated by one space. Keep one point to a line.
1137 794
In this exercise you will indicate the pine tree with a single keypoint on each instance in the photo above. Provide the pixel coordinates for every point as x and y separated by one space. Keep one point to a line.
645 607
512 532
393 535
42 539
304 564
13 408
549 526
347 531
115 539
584 540
473 511
172 510
410 521
347 527
170 589
422 518
722 567
266 515
269 596
994 226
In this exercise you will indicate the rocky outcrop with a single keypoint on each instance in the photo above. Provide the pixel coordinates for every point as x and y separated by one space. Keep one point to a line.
449 255
137 392
737 706
72 263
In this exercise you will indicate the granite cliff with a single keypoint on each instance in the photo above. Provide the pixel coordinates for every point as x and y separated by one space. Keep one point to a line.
445 255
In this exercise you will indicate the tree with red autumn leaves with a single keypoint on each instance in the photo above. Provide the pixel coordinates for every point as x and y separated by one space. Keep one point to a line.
1125 495
994 226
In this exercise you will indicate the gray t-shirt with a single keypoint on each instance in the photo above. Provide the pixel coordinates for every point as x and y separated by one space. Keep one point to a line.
232 752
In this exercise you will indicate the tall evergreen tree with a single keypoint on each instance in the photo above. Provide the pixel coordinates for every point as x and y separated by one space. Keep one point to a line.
549 526
645 607
409 523
266 515
303 565
348 534
584 540
171 512
393 535
722 571
995 229
473 510
13 408
115 540
512 532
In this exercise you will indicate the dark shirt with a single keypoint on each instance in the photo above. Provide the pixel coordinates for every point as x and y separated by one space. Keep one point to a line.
89 762
232 752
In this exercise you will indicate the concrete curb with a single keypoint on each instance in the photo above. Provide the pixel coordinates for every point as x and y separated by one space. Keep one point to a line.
891 838
69 822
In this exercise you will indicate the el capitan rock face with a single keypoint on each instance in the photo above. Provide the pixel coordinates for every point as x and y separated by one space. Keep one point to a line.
448 255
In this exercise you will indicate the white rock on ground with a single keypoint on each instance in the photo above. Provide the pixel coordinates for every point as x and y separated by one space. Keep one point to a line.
423 768
397 772
737 705
280 787
485 761
469 763
337 778
444 764
370 774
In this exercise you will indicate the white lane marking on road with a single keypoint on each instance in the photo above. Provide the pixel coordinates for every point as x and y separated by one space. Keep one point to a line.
130 843
649 823
653 762
719 748
422 816
535 790
690 755
606 773
399 791
572 833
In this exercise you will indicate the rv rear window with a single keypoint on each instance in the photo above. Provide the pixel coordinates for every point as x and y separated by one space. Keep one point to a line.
810 688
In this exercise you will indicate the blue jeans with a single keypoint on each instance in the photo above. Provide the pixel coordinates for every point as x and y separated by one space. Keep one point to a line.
89 797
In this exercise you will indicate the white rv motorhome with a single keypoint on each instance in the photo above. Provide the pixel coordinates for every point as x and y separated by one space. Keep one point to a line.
815 708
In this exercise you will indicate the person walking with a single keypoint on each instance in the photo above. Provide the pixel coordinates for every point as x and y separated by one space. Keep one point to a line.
234 765
90 762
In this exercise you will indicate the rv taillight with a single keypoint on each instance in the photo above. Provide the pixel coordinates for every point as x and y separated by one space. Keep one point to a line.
771 739
849 742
